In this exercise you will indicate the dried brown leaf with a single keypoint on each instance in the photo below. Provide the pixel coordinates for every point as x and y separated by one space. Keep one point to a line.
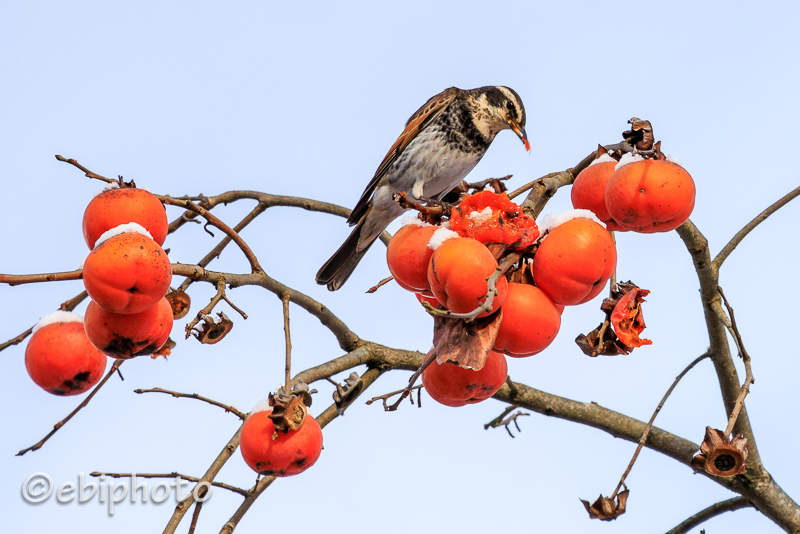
465 344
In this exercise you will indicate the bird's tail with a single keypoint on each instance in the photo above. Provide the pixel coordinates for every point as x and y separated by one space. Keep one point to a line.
338 269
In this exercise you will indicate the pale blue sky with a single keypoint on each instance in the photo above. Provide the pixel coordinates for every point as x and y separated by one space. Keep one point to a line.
203 97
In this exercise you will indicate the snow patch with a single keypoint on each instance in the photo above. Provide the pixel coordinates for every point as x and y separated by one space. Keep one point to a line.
602 159
628 158
131 227
673 159
108 187
552 220
413 220
261 406
481 217
440 236
58 317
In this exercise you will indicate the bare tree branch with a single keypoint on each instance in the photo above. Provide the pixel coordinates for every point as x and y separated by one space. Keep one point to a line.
57 426
228 487
761 217
737 503
175 394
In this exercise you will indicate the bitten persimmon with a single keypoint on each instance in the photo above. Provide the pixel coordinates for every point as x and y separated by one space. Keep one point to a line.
127 273
111 208
408 255
574 262
458 274
650 196
452 385
589 191
127 335
61 360
288 454
530 321
493 218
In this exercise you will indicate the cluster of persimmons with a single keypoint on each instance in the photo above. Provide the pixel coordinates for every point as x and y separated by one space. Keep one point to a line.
127 274
565 262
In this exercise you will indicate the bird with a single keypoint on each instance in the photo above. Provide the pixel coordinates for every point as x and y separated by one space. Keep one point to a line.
441 143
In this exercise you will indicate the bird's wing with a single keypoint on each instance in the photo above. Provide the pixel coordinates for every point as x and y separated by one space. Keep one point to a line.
417 123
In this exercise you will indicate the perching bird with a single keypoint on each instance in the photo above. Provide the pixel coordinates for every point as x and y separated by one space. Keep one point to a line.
441 143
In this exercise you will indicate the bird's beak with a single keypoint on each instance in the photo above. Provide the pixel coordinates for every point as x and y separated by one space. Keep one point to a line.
520 132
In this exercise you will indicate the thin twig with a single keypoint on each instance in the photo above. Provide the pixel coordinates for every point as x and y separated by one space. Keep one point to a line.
187 204
491 292
68 305
737 407
19 279
387 396
288 388
64 421
220 295
222 485
737 503
649 426
529 185
196 514
761 217
406 392
216 251
377 286
195 396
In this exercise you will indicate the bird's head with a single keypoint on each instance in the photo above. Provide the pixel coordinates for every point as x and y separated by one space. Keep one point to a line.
499 108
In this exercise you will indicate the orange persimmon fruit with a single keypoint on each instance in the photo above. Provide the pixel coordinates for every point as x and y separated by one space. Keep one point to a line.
408 255
650 196
288 454
589 192
127 335
127 273
530 321
458 273
111 208
452 385
61 360
574 262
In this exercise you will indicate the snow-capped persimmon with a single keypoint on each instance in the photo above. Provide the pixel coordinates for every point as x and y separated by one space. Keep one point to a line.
493 218
650 196
288 454
126 335
574 262
458 274
452 385
530 321
127 273
408 255
589 191
111 208
60 358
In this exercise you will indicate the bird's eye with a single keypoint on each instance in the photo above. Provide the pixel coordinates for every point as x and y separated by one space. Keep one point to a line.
510 105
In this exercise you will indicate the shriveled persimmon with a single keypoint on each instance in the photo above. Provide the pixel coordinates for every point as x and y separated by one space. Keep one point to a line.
127 273
574 262
493 218
408 255
126 335
60 358
530 321
458 274
288 454
650 196
452 385
589 191
111 208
